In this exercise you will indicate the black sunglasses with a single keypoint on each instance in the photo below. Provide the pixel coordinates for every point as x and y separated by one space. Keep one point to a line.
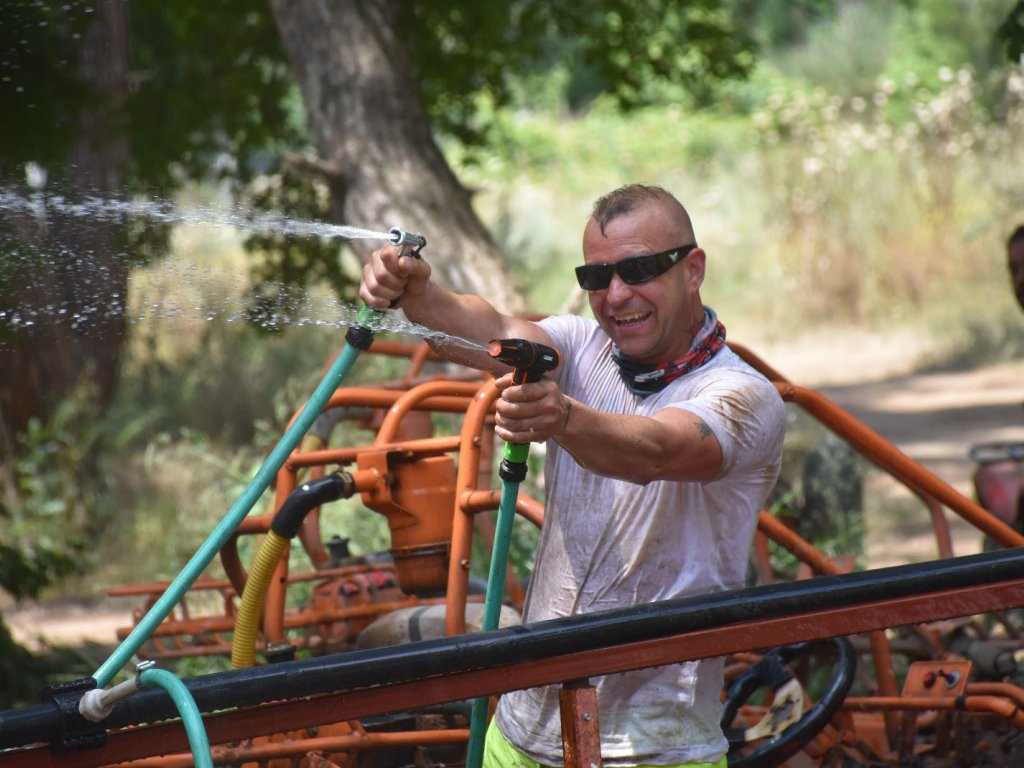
635 269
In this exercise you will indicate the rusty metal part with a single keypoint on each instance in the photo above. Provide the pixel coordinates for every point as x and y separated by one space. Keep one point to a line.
417 498
581 731
187 633
357 742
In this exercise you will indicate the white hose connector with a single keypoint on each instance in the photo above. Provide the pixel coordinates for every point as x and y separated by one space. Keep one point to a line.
97 704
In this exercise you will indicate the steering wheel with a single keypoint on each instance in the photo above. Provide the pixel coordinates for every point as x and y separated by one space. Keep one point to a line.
786 725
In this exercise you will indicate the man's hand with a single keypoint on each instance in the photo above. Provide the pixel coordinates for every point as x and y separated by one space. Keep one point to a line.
386 277
532 412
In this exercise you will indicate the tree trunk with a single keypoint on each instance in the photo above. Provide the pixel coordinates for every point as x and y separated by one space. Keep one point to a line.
371 129
77 267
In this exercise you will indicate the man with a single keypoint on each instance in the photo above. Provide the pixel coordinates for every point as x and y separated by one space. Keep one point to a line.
663 447
1015 261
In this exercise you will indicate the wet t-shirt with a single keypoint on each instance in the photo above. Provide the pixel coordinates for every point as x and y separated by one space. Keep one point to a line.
609 543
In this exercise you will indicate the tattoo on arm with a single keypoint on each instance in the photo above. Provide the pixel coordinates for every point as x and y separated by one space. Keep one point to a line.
704 429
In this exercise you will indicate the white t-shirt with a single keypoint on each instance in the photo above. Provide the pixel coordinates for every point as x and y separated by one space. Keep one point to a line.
609 543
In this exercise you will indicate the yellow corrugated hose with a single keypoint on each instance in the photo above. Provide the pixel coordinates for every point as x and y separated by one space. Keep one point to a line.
243 643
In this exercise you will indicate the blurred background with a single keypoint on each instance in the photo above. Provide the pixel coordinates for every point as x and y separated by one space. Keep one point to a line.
852 168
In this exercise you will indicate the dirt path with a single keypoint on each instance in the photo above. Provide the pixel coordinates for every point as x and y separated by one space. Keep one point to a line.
932 417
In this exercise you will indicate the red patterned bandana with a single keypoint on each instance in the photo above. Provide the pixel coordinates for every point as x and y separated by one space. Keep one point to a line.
644 380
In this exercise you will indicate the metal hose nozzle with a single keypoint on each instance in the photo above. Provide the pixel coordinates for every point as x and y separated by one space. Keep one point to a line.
407 241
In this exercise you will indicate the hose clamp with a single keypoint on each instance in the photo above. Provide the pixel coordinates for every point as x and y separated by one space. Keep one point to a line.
75 732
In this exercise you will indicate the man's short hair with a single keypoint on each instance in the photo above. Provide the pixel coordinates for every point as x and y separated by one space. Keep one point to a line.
628 198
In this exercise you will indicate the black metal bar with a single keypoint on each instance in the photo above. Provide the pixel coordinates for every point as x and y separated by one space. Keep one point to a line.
543 640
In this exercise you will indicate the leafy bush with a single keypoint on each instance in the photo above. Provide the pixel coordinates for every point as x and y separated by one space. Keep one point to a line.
54 498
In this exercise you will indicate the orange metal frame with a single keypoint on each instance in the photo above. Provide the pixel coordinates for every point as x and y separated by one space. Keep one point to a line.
474 446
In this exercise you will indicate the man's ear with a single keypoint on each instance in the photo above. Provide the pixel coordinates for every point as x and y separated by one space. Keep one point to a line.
694 264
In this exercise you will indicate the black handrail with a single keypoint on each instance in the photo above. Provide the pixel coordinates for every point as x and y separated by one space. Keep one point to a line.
534 642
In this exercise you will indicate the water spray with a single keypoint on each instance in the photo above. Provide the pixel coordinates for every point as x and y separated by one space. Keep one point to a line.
359 338
529 361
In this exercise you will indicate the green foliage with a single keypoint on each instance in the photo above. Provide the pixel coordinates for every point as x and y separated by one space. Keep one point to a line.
777 24
278 258
55 500
40 93
21 672
1011 32
463 51
214 91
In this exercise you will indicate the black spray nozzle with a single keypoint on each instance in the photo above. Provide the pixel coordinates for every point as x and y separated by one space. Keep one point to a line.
529 359
409 243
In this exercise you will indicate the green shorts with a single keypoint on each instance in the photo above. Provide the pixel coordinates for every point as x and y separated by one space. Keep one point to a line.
498 753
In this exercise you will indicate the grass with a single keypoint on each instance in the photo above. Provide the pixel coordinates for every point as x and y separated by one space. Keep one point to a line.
814 210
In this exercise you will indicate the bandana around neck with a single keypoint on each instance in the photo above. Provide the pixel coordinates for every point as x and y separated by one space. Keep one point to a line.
644 379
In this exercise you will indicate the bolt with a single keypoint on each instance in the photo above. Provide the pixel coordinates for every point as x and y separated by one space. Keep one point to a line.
142 666
586 716
464 564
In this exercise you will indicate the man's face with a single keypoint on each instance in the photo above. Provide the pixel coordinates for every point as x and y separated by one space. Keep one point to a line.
1016 264
652 322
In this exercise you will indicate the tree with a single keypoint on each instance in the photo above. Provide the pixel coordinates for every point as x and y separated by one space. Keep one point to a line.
207 91
47 358
203 83
377 74
87 116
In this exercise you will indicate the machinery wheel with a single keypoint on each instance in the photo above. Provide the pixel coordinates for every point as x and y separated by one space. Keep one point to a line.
771 672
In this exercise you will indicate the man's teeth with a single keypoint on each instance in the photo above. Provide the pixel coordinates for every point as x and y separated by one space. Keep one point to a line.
634 318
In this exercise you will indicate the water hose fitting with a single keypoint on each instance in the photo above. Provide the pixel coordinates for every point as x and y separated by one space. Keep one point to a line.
367 323
97 704
529 361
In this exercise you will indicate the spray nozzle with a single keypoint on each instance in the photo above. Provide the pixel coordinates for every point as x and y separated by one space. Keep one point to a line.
409 243
360 335
529 359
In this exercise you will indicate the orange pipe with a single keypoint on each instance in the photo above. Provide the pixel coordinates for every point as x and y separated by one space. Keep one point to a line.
424 445
1007 690
890 458
786 537
939 522
993 704
470 444
473 502
299 748
414 397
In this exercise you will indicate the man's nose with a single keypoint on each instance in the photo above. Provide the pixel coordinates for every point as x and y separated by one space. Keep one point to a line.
619 290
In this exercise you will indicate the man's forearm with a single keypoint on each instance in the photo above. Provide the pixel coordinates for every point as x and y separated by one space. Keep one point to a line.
676 446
